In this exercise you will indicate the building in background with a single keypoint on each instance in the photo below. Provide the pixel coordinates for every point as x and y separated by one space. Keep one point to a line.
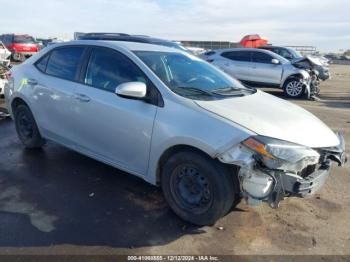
209 45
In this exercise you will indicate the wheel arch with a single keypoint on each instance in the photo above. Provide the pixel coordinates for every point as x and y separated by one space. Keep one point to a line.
173 150
16 102
293 76
183 148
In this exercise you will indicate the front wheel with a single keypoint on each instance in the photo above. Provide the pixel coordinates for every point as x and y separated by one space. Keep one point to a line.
294 88
199 189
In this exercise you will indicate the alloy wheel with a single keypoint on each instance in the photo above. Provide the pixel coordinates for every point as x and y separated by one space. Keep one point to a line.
294 88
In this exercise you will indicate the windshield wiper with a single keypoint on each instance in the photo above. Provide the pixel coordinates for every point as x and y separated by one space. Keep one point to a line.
232 90
195 90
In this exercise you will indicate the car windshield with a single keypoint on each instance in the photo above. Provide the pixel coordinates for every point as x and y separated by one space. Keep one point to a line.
171 44
23 39
281 58
190 76
295 53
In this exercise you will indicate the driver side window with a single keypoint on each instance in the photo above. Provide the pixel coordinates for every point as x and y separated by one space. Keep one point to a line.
260 57
107 69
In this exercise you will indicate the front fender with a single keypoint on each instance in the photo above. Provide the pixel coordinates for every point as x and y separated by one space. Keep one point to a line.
194 127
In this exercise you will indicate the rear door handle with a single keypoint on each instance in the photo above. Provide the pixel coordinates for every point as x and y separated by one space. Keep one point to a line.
32 81
82 97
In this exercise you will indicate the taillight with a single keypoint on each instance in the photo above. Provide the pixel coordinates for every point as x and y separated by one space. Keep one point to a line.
11 47
210 60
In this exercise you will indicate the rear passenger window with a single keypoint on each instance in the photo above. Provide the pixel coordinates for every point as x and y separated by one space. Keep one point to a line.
41 64
64 62
243 56
107 69
260 57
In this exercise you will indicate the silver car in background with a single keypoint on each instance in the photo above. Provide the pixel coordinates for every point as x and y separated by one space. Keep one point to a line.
320 63
175 121
257 67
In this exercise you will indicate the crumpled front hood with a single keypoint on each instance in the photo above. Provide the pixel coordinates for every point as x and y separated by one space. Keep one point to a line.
312 60
270 116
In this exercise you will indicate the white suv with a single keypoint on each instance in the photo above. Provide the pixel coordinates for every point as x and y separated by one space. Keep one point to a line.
174 120
258 67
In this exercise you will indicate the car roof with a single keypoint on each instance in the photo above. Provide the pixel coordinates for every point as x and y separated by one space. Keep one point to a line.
274 46
17 34
132 46
241 49
122 37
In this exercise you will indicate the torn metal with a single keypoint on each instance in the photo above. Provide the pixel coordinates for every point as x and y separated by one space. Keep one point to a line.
299 172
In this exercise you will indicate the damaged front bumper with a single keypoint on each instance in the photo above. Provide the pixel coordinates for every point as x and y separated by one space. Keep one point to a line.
302 187
261 183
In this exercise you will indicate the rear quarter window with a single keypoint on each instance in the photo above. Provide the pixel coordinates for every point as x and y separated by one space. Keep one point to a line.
42 63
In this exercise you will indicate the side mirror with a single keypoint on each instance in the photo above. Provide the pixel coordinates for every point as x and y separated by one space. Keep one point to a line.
275 61
131 90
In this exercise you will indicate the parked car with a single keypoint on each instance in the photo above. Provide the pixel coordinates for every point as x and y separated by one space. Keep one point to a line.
2 86
257 67
320 63
4 55
4 66
130 38
174 120
21 46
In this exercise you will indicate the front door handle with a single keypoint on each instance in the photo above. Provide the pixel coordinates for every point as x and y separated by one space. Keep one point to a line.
82 97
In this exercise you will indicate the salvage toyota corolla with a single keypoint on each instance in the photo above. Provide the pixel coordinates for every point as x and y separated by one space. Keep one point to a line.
173 120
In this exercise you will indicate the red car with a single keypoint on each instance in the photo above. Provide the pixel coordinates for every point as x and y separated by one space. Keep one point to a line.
21 46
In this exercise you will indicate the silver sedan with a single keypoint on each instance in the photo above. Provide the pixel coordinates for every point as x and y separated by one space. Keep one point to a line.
175 121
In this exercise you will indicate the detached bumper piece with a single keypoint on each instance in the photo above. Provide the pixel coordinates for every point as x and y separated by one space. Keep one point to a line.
290 184
308 185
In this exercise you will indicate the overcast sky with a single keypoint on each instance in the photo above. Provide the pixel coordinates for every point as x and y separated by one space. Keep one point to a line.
322 23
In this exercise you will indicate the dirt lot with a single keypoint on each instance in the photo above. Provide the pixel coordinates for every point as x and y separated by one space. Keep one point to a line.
55 201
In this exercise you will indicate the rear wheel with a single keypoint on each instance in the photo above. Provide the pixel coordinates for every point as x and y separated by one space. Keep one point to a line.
294 88
26 128
199 189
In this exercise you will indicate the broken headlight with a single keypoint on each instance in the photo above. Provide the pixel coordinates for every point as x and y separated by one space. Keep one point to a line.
279 154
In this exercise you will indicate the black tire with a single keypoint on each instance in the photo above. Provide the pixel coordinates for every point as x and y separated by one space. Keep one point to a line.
199 189
27 129
18 57
294 88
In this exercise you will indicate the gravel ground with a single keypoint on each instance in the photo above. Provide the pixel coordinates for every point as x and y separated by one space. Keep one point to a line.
56 201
